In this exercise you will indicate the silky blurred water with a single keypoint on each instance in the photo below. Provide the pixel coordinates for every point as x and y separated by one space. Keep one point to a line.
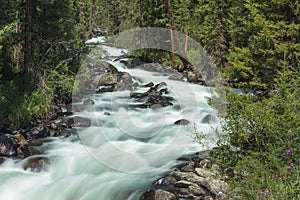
123 152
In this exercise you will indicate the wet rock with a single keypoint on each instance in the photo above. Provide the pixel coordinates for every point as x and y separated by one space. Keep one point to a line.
53 126
158 99
131 63
209 119
8 146
35 142
30 150
163 91
107 113
2 160
36 164
52 115
176 76
88 102
157 67
66 111
55 133
151 84
182 122
78 121
160 85
138 95
37 132
195 77
106 78
190 167
158 195
153 98
105 88
123 84
165 182
156 106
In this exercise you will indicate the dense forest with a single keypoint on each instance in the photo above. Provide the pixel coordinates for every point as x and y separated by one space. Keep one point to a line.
254 43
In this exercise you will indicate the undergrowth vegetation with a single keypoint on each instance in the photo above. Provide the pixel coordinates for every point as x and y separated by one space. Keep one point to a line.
260 140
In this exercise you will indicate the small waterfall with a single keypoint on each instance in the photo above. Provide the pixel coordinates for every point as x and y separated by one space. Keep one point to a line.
124 151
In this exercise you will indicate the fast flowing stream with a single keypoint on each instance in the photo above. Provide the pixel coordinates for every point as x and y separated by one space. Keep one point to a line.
124 151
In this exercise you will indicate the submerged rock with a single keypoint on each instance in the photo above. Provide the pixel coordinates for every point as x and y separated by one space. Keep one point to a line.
36 164
151 84
182 122
88 102
78 121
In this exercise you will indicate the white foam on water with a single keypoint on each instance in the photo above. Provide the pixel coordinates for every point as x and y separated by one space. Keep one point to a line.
122 153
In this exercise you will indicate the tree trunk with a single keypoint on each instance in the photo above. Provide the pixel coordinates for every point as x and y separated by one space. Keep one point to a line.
27 44
180 48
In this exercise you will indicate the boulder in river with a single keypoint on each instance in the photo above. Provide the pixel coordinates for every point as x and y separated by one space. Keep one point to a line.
8 145
36 164
104 77
78 121
182 122
153 98
88 102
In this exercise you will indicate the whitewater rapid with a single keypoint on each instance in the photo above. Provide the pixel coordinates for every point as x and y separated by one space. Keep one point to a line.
122 153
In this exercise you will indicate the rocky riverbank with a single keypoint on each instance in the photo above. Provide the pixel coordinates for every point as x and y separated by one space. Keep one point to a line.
200 178
21 143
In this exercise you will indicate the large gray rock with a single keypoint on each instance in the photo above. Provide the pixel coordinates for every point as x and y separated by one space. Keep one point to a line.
182 122
216 186
204 172
158 195
197 190
188 176
104 77
78 121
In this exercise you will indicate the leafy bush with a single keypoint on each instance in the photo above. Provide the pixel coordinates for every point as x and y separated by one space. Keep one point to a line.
262 132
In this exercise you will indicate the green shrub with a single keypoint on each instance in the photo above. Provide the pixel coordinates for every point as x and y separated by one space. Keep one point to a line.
257 134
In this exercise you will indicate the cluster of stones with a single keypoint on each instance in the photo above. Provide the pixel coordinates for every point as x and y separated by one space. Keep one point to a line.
22 143
199 179
155 97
